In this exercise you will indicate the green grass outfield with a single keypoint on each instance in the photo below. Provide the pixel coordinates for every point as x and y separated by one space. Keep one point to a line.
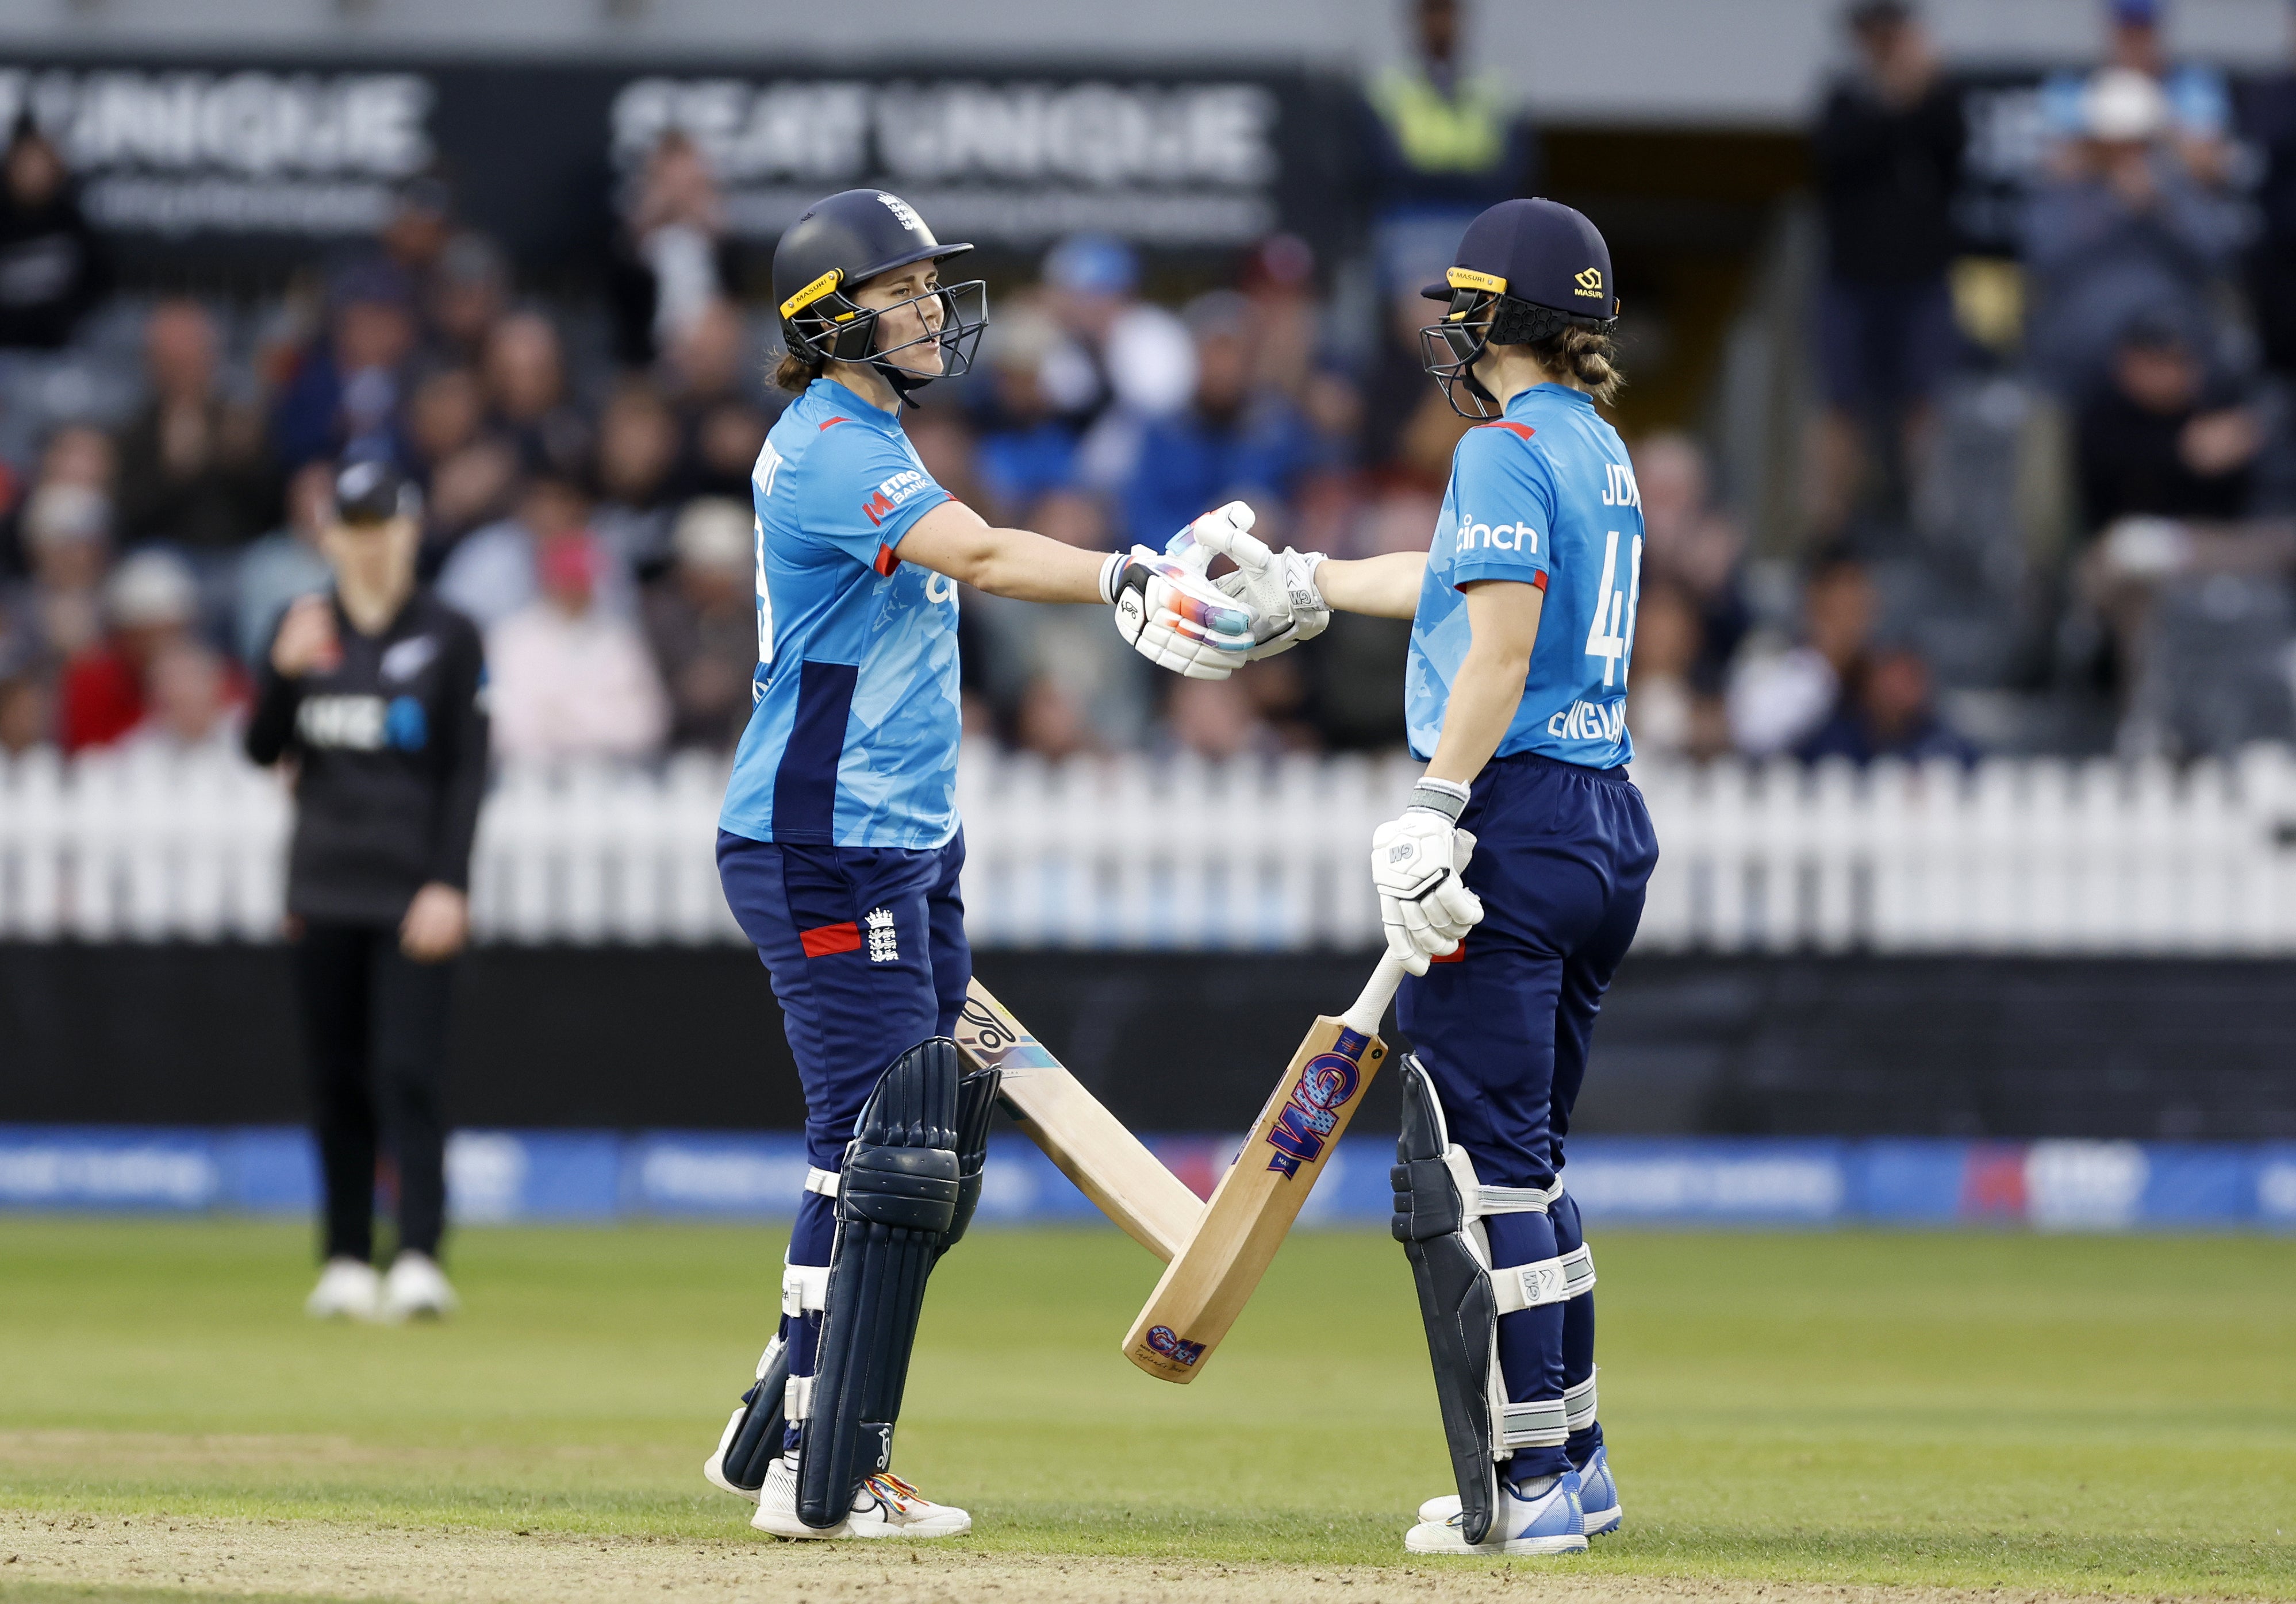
2064 1413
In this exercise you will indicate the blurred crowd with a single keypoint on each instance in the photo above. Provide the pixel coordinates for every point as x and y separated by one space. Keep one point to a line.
586 462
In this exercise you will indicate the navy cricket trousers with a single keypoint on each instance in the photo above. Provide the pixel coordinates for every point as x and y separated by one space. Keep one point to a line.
866 950
1563 856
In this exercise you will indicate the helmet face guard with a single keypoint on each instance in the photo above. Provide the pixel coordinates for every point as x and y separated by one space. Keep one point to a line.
822 324
1482 315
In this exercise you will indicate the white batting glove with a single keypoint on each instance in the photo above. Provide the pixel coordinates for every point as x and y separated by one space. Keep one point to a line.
1418 866
1279 587
1169 612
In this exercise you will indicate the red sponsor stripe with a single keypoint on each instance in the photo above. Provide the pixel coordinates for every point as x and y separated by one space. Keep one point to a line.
1519 430
825 424
1457 954
886 561
821 941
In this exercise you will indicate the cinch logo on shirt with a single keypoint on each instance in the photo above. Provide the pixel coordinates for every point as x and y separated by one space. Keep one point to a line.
1590 721
890 495
1496 537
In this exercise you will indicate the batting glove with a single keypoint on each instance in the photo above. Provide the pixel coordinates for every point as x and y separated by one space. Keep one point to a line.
1418 864
1168 611
1279 587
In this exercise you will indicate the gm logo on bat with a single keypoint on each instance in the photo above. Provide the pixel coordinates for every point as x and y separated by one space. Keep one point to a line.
1304 1123
1166 1341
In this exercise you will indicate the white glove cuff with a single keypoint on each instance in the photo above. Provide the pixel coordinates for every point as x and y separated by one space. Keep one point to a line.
1112 576
1445 797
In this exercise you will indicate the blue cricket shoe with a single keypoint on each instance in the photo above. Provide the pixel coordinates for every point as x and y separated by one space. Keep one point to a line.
1598 1498
1548 1521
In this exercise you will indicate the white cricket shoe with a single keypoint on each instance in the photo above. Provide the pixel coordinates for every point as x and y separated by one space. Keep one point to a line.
714 1467
348 1289
416 1288
1598 1498
1548 1521
885 1507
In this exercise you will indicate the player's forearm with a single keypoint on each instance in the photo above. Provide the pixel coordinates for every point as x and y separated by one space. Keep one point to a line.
954 540
1385 586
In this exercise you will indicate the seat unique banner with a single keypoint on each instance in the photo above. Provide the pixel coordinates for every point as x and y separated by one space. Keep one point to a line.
197 162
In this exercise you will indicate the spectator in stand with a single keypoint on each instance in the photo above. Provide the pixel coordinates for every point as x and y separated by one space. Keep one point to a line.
525 376
473 489
151 602
469 293
494 572
722 421
287 563
195 469
1670 716
702 621
344 396
569 678
1229 443
2269 126
2197 98
77 453
2164 438
672 258
1216 719
195 705
1778 699
1026 451
52 264
2121 228
421 221
58 614
1693 546
1888 150
447 413
25 710
1442 144
1116 348
637 462
1886 710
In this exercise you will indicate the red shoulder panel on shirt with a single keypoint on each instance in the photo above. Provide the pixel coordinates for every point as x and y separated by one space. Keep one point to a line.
1521 431
825 424
886 561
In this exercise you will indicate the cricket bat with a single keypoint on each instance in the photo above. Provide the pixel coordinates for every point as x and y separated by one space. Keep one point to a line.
1090 1145
1207 1284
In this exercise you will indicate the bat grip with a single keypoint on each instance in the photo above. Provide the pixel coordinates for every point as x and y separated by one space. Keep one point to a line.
1378 992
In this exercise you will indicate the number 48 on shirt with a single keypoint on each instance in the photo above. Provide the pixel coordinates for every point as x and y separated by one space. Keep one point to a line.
1610 635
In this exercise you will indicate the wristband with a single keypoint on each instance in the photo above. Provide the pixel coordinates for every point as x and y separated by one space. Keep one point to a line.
1112 576
1445 797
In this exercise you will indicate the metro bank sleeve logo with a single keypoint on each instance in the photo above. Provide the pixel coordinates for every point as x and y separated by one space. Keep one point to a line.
890 495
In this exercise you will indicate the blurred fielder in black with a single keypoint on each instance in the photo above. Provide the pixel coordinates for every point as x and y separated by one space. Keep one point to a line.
375 693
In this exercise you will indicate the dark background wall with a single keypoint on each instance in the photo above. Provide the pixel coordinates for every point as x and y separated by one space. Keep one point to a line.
672 1037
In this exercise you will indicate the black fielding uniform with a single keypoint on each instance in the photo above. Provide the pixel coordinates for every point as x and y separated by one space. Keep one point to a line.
390 748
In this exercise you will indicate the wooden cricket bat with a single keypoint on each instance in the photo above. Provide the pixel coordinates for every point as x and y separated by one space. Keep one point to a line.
1207 1284
1090 1145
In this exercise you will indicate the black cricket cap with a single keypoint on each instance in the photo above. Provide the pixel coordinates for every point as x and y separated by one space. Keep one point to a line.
369 492
1540 251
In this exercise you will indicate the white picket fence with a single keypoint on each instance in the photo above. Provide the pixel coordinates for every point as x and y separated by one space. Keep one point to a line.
2016 855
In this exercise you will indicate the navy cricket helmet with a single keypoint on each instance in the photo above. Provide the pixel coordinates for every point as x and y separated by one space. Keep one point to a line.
1525 271
839 245
369 491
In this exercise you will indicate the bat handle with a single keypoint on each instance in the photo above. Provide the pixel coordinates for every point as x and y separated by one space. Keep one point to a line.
1371 1007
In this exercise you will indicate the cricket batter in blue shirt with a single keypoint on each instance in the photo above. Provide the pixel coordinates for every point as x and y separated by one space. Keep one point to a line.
1513 884
840 847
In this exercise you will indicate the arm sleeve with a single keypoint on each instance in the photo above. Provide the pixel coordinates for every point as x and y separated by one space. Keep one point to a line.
1505 490
272 725
861 491
462 749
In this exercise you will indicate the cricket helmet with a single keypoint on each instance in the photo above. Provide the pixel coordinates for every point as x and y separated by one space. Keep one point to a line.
1525 271
840 243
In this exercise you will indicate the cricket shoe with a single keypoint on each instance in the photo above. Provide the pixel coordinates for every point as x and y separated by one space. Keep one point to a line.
416 1288
1547 1521
348 1289
886 1506
1598 1498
